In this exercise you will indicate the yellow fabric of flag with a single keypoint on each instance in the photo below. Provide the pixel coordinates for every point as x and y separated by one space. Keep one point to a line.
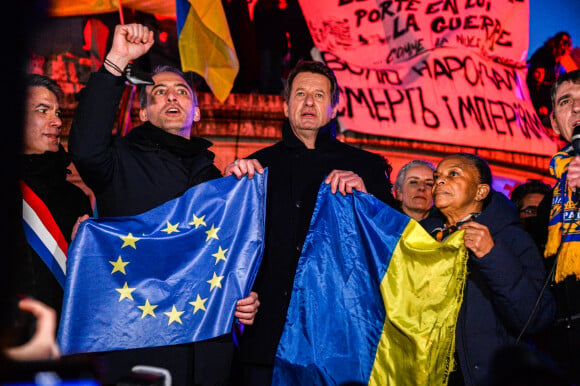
422 292
62 8
206 46
375 299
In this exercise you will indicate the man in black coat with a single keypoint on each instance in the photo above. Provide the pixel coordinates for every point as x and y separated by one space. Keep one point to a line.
44 168
156 162
308 155
28 16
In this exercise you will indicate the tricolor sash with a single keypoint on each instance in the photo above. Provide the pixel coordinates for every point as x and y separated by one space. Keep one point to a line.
43 234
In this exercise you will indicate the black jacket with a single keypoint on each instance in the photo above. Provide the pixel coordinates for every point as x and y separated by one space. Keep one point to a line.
132 174
45 174
295 174
501 290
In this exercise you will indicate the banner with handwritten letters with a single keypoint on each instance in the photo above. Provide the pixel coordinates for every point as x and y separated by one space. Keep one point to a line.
445 71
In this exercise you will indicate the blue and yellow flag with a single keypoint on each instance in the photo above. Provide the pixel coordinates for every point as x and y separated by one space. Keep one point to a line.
168 276
205 44
375 299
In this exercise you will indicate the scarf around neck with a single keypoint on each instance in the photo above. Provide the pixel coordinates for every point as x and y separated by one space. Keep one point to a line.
563 231
441 233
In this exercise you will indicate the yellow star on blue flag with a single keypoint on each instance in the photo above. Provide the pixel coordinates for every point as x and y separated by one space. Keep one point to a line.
198 304
129 241
171 228
147 309
215 282
198 221
212 233
126 292
220 255
174 316
119 265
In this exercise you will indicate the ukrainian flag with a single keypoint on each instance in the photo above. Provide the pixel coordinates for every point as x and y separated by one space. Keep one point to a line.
205 44
375 299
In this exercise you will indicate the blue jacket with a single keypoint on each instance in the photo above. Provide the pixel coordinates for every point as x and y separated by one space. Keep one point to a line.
501 290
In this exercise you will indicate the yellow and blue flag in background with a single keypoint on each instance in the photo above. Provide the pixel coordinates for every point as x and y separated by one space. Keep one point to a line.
375 299
205 44
168 276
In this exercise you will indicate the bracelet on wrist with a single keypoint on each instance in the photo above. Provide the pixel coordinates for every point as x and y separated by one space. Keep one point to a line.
114 66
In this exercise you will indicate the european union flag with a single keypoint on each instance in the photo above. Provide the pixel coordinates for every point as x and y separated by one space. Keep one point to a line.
375 299
168 276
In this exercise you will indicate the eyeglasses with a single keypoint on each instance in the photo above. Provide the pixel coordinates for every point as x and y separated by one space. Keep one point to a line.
530 210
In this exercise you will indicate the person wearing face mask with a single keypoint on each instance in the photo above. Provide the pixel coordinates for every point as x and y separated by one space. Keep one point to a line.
413 189
505 270
527 198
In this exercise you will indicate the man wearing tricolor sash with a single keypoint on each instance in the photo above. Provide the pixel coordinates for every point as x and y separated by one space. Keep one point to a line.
52 206
563 243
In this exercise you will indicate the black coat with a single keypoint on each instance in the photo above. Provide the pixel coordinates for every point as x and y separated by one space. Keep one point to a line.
45 174
294 177
132 174
501 290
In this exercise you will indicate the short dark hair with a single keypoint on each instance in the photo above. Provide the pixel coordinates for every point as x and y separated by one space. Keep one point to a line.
166 68
485 176
315 67
571 76
559 36
36 80
531 186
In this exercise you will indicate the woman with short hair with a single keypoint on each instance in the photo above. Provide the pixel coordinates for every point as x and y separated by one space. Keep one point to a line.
505 270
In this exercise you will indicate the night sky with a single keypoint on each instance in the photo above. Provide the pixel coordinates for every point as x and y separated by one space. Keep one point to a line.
549 17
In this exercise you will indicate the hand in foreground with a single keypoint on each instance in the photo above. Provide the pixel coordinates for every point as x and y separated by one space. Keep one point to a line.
77 225
42 345
130 41
247 308
574 174
477 238
242 167
345 181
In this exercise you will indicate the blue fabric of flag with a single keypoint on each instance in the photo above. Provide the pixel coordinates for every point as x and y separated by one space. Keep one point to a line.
352 266
168 276
375 298
181 12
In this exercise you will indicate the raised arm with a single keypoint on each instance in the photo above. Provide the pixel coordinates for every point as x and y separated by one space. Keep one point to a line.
91 140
